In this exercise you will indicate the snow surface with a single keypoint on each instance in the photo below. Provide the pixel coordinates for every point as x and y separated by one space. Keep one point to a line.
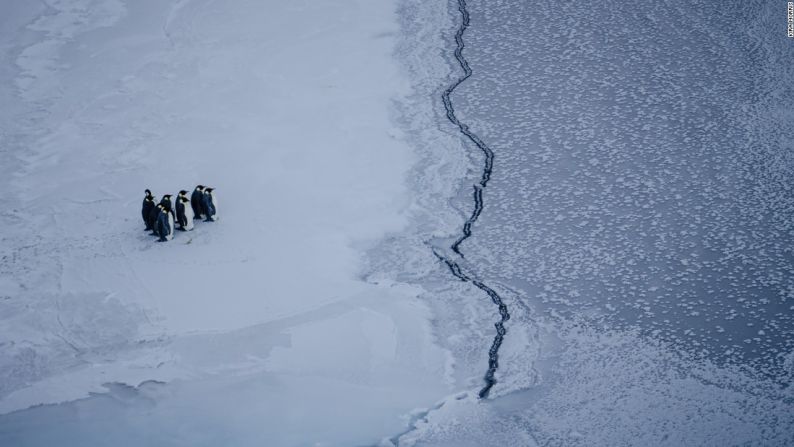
260 323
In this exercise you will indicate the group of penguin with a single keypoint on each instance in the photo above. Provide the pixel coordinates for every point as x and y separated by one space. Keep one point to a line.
159 218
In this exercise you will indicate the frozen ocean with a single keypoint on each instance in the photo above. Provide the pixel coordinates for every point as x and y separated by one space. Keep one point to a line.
451 223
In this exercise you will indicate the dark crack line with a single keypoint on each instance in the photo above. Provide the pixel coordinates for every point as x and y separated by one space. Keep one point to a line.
464 129
454 268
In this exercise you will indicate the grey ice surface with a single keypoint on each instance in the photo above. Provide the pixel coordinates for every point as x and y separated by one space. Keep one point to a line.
638 223
644 167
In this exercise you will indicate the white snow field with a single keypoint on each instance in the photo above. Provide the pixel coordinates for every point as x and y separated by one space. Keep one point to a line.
261 324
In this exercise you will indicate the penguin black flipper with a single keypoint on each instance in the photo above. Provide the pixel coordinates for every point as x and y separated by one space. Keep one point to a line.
210 207
165 224
180 214
155 211
158 227
146 208
184 211
197 201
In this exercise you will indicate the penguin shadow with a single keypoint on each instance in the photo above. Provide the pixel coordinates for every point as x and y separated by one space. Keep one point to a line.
178 238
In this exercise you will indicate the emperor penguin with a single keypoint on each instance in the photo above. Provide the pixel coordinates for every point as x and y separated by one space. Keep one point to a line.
146 209
197 202
165 224
210 205
168 204
184 212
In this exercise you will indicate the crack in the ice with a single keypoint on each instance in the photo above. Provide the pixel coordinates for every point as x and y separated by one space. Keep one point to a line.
493 353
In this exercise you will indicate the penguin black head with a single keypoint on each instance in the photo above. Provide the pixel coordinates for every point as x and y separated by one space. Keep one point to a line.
148 193
167 196
199 186
182 193
209 189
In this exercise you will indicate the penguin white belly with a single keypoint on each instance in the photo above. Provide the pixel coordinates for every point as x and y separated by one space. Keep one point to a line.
189 216
170 234
215 205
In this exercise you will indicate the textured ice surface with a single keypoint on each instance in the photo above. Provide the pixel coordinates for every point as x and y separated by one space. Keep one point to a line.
644 166
638 222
